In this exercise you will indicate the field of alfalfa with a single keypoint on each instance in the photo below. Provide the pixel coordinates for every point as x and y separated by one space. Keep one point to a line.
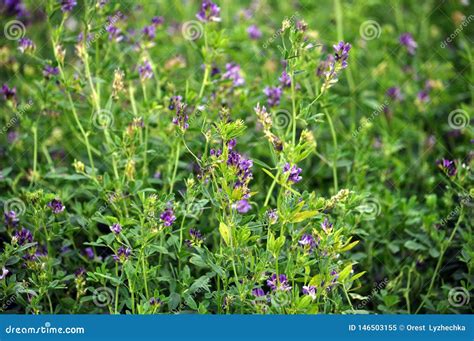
236 157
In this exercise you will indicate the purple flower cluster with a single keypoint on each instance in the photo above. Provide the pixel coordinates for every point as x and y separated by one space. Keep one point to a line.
56 206
168 217
11 219
448 166
67 5
115 33
50 71
181 118
89 252
254 32
8 93
116 228
285 79
145 71
258 292
278 283
150 30
196 238
310 291
307 241
294 173
209 11
123 253
26 45
233 73
272 216
243 206
273 95
4 274
326 225
341 53
406 39
243 167
394 93
155 301
23 236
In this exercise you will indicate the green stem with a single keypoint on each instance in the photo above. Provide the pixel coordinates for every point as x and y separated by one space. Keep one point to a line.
336 152
175 168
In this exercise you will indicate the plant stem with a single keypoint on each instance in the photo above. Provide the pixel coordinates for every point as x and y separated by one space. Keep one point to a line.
336 152
175 167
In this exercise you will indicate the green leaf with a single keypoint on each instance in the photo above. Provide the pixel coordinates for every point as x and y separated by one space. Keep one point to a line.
302 216
412 245
225 232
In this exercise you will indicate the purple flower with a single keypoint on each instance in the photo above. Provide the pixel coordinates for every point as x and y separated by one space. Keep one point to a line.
285 79
56 206
196 238
168 217
326 225
145 71
406 39
89 252
4 274
233 73
8 94
243 168
67 5
294 172
156 21
149 32
307 241
181 118
114 33
231 144
278 284
209 12
155 301
423 96
11 219
310 291
80 272
394 93
122 254
13 8
254 32
272 216
116 228
215 153
26 45
174 101
23 236
448 166
273 95
341 53
50 71
258 292
243 206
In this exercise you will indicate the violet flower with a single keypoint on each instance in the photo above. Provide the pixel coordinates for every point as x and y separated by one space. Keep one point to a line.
341 53
168 217
23 236
145 71
50 71
243 206
116 228
4 274
233 73
26 45
196 238
56 206
122 254
326 225
280 283
273 95
272 216
258 292
307 241
67 5
448 166
8 93
181 118
209 11
294 173
285 79
254 32
310 291
89 252
406 39
11 219
394 93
